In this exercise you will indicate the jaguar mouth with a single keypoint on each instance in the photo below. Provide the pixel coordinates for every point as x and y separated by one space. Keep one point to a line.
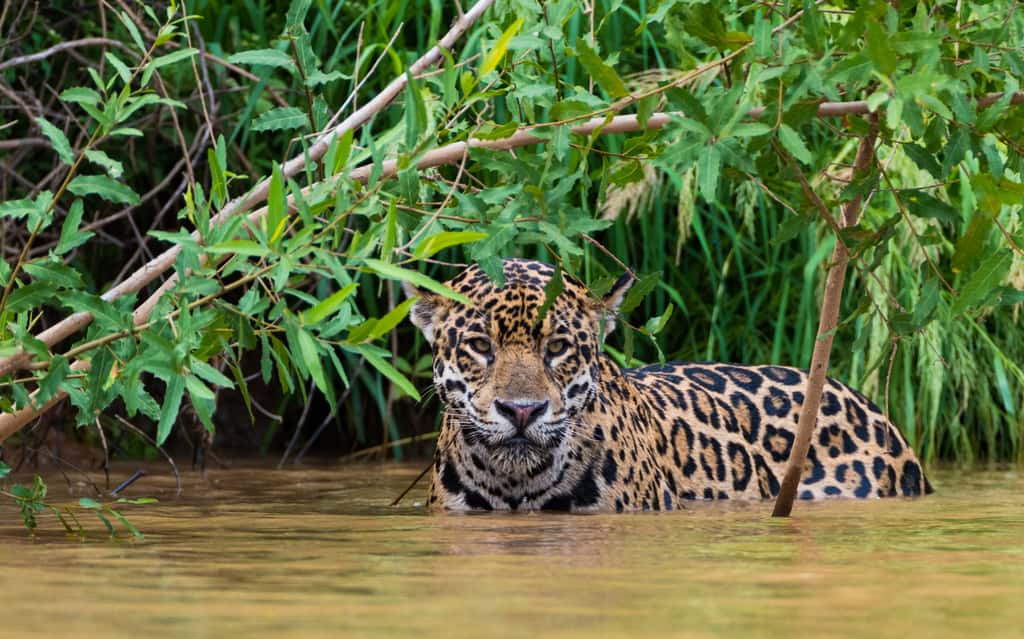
519 454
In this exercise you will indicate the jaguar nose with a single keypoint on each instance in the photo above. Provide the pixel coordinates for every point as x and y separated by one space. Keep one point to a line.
520 413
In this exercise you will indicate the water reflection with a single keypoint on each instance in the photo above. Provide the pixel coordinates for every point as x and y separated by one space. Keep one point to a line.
319 553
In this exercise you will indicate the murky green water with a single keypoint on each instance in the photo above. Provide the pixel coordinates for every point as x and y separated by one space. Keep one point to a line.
319 553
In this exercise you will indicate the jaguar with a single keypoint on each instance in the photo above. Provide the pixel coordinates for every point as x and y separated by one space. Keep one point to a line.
538 417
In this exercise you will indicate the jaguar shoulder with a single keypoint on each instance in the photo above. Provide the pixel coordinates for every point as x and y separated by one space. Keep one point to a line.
537 417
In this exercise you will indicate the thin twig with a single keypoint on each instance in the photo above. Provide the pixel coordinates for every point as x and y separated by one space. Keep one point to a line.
141 433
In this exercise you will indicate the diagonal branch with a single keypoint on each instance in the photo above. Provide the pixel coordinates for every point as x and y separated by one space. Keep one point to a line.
258 194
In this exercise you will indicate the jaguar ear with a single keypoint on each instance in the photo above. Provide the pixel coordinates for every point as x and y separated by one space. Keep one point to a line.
610 303
427 310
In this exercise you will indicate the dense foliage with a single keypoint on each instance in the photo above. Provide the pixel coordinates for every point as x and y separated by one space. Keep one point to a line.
127 142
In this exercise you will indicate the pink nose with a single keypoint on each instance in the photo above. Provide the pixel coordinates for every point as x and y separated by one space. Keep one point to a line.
520 413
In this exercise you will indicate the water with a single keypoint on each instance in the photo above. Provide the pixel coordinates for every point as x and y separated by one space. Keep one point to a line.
315 553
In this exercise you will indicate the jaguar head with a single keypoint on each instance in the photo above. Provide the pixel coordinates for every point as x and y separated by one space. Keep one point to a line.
515 383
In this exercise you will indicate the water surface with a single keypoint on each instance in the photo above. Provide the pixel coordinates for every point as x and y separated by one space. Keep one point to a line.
317 553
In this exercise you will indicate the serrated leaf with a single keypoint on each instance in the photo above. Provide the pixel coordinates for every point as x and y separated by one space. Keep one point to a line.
709 165
923 205
600 71
55 274
210 374
169 410
113 167
879 50
104 187
983 281
446 239
791 141
280 119
18 209
923 159
495 55
57 139
392 272
265 58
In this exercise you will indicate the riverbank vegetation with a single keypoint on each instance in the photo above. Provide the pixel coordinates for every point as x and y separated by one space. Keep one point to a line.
207 206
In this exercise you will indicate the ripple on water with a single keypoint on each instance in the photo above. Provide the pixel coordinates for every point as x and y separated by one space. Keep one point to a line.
305 553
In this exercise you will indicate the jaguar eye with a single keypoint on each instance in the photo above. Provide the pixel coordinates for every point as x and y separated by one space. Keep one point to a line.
556 347
481 345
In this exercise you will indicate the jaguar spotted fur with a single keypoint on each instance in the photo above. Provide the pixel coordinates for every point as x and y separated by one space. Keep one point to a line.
538 417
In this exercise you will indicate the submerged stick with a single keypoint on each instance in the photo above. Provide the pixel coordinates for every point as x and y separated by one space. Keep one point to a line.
823 343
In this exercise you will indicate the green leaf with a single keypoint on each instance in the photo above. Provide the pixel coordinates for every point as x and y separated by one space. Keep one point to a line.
55 274
385 368
127 524
923 159
926 304
58 140
122 69
265 58
923 205
415 113
495 55
114 168
392 318
709 165
656 324
86 502
18 209
277 206
342 152
879 50
435 243
971 245
552 290
956 149
329 306
133 31
601 72
169 411
280 119
171 58
311 358
392 272
250 248
210 374
81 95
749 130
104 187
644 285
983 281
790 139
